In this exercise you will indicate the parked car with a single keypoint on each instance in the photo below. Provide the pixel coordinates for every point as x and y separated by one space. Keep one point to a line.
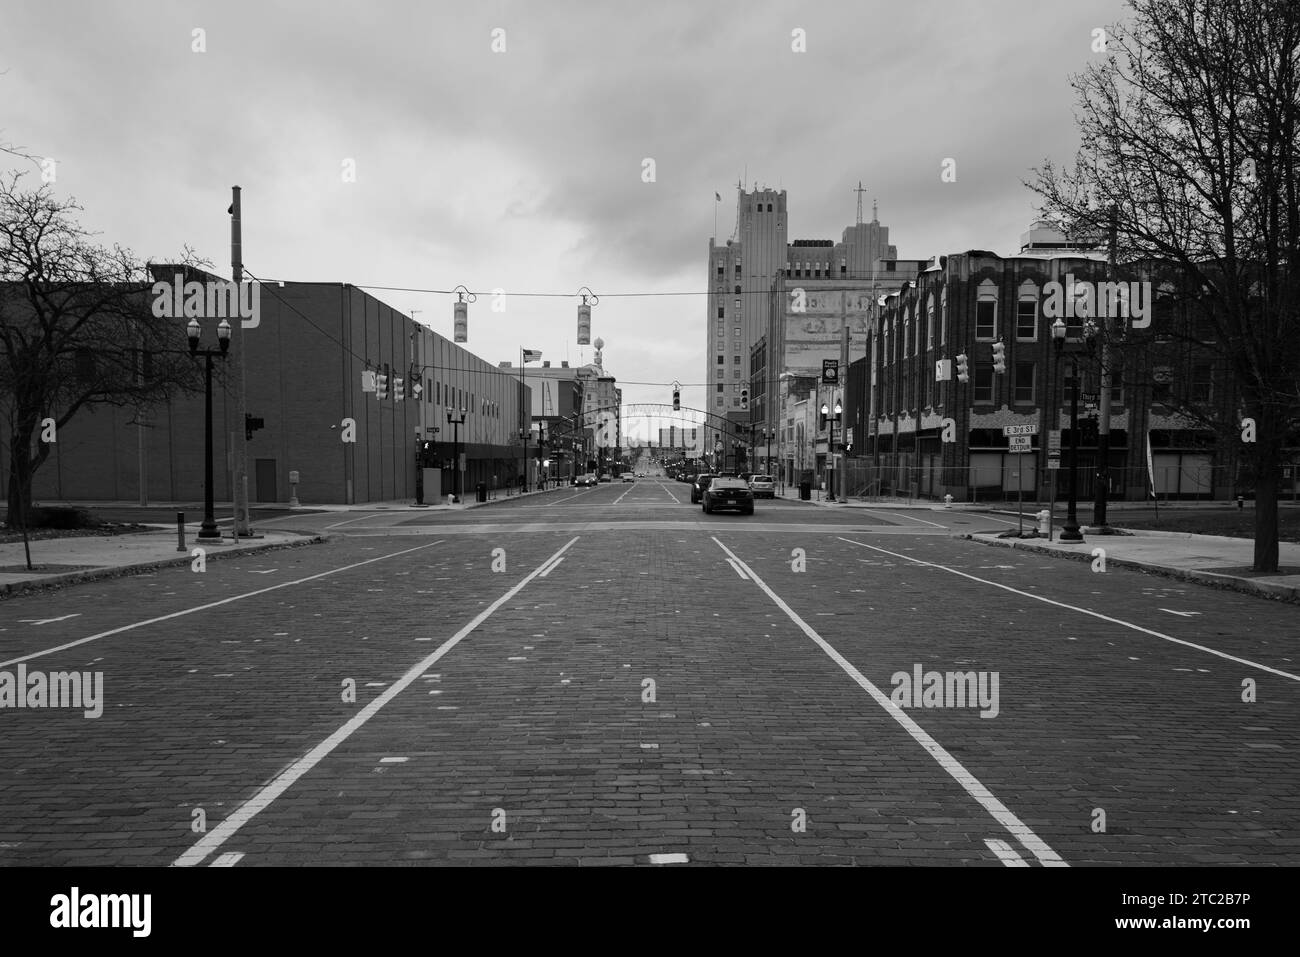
763 486
728 493
586 480
699 485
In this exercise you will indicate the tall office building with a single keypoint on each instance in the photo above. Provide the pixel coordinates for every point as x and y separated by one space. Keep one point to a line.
739 301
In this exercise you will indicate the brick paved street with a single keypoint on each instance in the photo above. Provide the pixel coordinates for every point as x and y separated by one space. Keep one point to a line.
671 686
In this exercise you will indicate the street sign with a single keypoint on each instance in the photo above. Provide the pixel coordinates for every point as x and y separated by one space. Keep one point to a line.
1020 448
1054 464
1020 442
1054 441
1020 430
830 371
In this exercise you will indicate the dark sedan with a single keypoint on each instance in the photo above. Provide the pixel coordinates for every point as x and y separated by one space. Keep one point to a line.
728 493
698 485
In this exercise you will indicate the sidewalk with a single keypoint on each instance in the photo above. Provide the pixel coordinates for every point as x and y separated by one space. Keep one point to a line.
65 561
1205 559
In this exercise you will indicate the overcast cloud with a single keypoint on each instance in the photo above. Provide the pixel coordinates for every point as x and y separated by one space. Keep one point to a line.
522 169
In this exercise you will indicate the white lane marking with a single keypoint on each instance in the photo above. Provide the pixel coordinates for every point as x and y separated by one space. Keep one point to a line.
46 621
1185 614
737 569
624 495
669 859
263 799
211 604
267 572
228 860
393 760
558 500
874 511
551 567
1085 611
1006 853
999 811
993 518
676 500
351 520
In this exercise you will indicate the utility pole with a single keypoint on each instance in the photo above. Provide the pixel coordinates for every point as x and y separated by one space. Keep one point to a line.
241 405
841 472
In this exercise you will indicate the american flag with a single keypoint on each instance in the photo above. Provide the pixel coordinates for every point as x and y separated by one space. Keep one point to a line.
531 355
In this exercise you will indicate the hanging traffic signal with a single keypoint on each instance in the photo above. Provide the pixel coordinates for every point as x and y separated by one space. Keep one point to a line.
381 385
399 389
999 358
963 369
677 400
744 398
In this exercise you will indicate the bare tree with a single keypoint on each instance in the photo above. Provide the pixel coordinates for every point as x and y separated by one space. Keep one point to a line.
76 330
1190 135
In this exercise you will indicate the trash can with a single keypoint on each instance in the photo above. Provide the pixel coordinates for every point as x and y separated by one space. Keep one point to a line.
482 491
805 491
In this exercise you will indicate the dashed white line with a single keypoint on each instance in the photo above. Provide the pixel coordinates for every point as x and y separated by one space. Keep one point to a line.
999 811
286 778
1083 611
551 567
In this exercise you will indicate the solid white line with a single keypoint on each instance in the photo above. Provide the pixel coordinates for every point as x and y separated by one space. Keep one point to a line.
676 500
999 811
624 495
875 511
211 604
286 778
551 567
737 568
1006 853
669 859
348 521
559 500
228 860
1085 611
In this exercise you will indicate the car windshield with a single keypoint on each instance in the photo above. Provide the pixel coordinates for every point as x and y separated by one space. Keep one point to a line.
727 482
761 478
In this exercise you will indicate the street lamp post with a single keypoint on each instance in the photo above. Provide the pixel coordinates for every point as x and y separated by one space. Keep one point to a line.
1070 531
831 419
455 418
209 529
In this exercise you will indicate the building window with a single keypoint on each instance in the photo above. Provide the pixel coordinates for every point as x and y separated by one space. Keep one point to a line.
1024 387
737 271
736 332
986 319
722 360
737 303
721 314
1116 381
737 290
719 402
769 207
721 387
1027 312
735 373
719 270
929 322
943 317
983 382
1202 383
735 360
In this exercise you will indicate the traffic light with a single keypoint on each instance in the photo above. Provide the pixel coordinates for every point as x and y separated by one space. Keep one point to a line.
999 358
399 389
381 385
963 370
251 425
677 400
744 398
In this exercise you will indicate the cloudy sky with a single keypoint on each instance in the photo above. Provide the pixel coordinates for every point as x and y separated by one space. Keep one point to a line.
522 169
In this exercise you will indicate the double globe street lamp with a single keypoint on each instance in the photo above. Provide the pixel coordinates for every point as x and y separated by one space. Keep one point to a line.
828 417
209 530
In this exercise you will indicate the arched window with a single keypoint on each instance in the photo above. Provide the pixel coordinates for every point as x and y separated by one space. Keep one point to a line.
1027 312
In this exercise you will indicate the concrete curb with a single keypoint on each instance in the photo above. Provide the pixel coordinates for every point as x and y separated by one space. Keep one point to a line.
1286 593
54 582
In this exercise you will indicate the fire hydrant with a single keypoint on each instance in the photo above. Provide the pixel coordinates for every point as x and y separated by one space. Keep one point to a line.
947 500
1044 518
